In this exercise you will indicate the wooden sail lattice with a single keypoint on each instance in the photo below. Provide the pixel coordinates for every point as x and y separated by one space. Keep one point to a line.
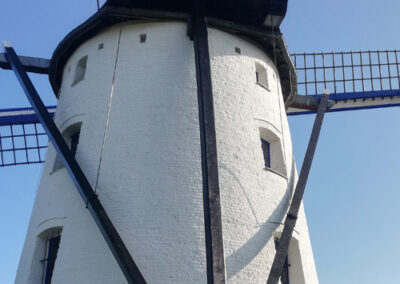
22 144
347 72
352 77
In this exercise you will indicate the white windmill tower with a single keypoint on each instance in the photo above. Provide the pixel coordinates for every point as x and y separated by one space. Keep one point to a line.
137 109
177 118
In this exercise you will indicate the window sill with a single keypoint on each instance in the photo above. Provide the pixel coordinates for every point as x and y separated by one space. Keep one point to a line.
275 172
264 87
56 170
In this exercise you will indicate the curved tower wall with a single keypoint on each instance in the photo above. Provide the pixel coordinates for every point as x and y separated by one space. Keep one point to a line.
139 146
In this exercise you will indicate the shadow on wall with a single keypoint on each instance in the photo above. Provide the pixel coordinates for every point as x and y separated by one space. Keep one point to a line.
245 254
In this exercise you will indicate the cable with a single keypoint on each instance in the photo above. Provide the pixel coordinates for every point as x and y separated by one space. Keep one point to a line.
108 111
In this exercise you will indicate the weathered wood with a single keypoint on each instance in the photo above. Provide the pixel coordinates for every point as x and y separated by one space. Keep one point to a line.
291 217
96 209
211 193
136 13
229 26
31 64
308 102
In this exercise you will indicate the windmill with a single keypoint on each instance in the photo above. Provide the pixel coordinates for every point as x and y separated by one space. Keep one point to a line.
351 100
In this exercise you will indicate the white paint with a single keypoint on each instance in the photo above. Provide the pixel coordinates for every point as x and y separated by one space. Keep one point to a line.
150 179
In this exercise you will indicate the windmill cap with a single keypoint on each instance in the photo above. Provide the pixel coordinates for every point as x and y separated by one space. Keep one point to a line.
249 12
253 14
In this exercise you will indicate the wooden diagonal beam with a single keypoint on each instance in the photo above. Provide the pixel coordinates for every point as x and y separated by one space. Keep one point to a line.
104 223
291 217
31 64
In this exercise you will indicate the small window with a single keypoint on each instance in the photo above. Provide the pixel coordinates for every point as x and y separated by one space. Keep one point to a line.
266 147
74 138
80 70
52 245
272 151
262 76
71 136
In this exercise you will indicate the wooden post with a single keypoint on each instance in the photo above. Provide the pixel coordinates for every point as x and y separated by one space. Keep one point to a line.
291 217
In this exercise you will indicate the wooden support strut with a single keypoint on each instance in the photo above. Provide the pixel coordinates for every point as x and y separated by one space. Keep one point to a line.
104 223
211 194
291 217
30 64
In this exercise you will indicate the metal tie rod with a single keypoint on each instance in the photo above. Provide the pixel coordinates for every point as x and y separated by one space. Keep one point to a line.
291 218
83 186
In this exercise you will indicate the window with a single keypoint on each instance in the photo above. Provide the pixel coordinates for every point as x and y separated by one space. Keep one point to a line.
71 136
74 138
285 271
272 150
52 245
266 147
262 76
80 70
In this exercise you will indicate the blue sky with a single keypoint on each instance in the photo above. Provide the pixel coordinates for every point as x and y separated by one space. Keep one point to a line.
354 185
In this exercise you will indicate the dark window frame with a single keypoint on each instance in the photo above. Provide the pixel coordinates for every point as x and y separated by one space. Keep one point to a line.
71 136
74 141
52 247
266 148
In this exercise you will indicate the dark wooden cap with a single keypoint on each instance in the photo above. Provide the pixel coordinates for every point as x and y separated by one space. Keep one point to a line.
252 14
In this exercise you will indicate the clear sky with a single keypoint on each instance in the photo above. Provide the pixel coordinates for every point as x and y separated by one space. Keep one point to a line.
353 191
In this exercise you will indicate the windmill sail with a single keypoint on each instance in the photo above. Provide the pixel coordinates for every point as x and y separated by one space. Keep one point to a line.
22 138
357 80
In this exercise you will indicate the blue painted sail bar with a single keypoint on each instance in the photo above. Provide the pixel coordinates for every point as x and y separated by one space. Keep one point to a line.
356 79
14 116
357 101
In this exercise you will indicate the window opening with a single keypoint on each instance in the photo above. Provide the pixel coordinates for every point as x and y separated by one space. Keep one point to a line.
80 70
52 245
101 46
266 147
143 38
74 138
237 50
71 136
272 151
262 76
